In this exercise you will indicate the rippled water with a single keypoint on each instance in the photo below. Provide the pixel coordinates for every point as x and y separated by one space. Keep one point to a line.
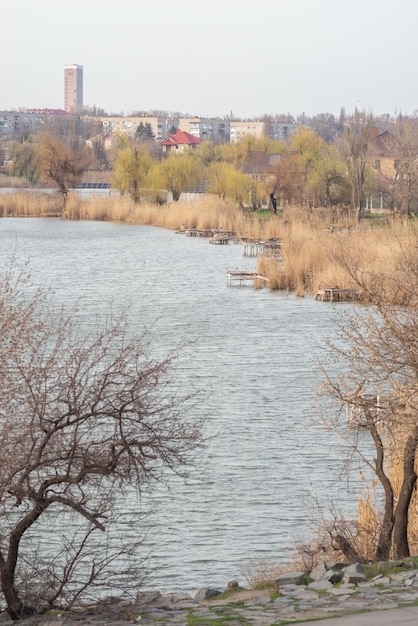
255 355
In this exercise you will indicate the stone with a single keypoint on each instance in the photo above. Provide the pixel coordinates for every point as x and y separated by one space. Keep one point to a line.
319 571
233 584
205 593
320 585
292 578
147 597
333 576
354 574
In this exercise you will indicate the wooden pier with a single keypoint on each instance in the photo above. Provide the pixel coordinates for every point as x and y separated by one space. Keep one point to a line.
195 232
256 247
216 236
334 294
222 239
272 250
241 278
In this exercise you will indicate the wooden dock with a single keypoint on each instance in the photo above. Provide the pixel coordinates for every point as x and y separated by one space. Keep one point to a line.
222 239
257 247
195 232
334 294
241 278
214 235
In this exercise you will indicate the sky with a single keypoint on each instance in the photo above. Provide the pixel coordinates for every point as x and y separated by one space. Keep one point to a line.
215 58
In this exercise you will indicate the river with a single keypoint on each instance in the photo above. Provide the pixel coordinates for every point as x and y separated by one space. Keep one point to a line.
253 352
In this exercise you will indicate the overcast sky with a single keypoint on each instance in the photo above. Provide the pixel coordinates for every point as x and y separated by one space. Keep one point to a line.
213 58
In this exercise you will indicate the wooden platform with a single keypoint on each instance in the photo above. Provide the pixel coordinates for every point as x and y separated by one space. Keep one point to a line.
334 294
256 247
223 239
241 278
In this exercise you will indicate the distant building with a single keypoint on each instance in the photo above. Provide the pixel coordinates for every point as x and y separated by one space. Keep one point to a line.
128 125
261 165
19 124
215 129
251 127
73 77
179 142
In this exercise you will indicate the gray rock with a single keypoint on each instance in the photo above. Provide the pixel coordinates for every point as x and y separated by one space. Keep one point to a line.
292 578
205 593
147 597
354 574
319 571
320 585
333 576
341 591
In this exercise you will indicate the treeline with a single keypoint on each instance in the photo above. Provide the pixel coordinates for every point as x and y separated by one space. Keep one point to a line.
361 168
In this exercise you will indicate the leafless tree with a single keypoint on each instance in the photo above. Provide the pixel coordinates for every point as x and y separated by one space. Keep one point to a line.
404 148
354 148
64 161
85 419
378 391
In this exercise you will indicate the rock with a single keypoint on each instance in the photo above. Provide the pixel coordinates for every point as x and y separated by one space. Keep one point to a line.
354 574
319 571
145 598
233 584
174 601
333 576
320 585
205 593
292 578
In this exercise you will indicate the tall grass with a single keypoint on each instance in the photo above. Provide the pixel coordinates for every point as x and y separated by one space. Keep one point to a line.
30 204
313 242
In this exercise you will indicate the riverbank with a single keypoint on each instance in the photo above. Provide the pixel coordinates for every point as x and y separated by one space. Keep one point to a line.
327 593
317 245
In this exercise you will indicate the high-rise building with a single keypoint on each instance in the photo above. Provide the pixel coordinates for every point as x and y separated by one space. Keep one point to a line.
73 75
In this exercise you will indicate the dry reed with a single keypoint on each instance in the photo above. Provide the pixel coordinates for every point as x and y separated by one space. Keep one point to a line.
313 241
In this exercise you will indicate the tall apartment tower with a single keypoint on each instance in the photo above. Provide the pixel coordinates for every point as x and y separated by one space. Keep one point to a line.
73 75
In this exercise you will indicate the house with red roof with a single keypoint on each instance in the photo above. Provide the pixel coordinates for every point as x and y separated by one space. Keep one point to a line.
179 142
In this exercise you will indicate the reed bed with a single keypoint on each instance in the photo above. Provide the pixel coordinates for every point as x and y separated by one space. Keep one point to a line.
318 246
317 255
30 204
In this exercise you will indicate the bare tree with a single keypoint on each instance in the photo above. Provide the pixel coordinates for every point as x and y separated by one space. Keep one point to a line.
354 148
84 420
64 161
378 392
404 148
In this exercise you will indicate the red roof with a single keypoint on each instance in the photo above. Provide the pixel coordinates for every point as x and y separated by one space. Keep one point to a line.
181 137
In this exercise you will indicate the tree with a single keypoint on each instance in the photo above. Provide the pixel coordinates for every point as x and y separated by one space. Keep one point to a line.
287 179
328 182
85 419
144 132
177 173
26 160
403 145
226 181
379 387
354 147
131 169
63 161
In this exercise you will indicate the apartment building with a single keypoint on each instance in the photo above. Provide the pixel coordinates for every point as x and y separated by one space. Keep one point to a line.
73 79
128 125
239 129
215 129
280 130
19 124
